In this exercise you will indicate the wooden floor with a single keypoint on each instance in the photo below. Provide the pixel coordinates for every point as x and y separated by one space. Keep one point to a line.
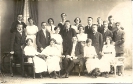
17 79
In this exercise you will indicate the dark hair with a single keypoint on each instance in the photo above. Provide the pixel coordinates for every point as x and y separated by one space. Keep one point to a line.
56 27
50 19
109 39
88 40
110 17
117 23
63 13
28 40
52 39
81 26
94 25
105 21
19 14
77 18
67 21
42 23
91 18
30 19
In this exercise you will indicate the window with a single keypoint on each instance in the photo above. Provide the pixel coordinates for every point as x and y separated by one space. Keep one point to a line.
26 11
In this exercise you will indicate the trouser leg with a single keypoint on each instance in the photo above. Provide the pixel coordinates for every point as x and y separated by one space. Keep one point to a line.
119 68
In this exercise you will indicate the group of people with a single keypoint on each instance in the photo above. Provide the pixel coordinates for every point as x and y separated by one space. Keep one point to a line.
62 46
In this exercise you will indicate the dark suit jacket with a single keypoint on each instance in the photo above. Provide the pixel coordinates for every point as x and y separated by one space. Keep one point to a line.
61 28
119 39
42 41
67 40
97 41
17 41
14 26
107 33
88 31
100 28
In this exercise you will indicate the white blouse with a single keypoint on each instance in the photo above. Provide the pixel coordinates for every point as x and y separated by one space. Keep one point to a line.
89 51
82 37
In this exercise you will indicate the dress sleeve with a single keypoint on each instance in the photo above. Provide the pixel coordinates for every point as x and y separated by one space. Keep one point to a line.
94 51
46 51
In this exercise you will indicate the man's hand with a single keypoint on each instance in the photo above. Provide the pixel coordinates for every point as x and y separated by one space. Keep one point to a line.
41 49
12 52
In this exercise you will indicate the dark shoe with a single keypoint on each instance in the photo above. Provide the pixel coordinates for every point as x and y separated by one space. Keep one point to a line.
106 75
67 75
63 76
50 75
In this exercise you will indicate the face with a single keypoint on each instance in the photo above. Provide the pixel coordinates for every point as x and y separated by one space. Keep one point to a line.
89 20
29 43
105 24
20 17
67 25
44 25
31 21
51 22
99 21
111 20
94 28
88 44
52 43
81 30
63 16
108 40
74 39
118 25
20 28
57 30
77 20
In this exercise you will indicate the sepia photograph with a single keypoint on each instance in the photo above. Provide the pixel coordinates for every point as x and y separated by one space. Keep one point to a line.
66 41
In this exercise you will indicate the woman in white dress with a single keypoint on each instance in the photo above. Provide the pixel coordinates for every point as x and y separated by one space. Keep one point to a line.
77 21
81 36
90 55
53 57
51 26
29 50
31 31
108 53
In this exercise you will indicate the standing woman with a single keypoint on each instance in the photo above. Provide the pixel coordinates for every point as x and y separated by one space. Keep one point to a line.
31 31
77 21
108 56
51 26
81 36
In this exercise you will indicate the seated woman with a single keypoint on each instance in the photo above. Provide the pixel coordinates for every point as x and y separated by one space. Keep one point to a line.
53 57
29 50
108 55
91 56
81 36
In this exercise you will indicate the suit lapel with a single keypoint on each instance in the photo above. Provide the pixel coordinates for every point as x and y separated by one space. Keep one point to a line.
43 34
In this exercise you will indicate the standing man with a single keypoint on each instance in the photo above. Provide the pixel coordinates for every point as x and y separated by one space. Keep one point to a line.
100 25
97 39
106 32
61 24
18 21
88 28
17 44
43 37
111 24
119 39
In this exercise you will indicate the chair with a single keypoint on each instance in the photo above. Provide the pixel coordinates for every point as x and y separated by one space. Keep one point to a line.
77 66
25 63
118 61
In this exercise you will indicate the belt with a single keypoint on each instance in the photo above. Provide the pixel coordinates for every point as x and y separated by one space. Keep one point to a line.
107 52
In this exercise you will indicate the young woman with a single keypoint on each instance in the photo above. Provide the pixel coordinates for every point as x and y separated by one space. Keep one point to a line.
51 26
53 57
31 31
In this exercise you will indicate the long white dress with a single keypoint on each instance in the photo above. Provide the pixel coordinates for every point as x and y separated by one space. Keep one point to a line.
31 33
82 37
40 64
90 62
53 58
108 57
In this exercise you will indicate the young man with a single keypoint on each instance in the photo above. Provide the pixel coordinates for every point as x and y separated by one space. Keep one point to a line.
88 28
18 21
17 44
43 37
100 25
119 39
111 24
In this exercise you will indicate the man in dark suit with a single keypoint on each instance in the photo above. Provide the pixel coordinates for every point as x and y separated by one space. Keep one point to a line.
43 37
17 44
88 28
61 24
97 39
111 24
75 57
100 25
18 21
119 39
106 32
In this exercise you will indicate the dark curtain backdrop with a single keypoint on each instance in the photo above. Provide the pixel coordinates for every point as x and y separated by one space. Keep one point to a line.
19 8
33 10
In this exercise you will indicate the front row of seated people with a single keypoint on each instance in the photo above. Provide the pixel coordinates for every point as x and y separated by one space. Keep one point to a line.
80 53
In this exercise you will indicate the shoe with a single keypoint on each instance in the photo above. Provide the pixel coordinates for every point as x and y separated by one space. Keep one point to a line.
50 75
67 75
63 76
106 75
119 74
